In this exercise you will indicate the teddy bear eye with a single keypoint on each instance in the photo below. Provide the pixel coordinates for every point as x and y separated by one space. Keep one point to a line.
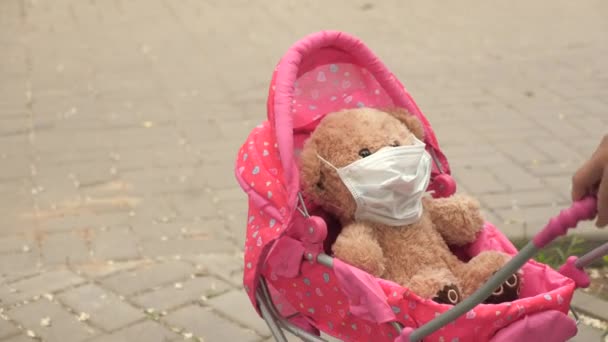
395 143
365 152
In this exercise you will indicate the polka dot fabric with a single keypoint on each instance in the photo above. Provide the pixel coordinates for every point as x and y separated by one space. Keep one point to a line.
334 87
322 73
260 174
317 294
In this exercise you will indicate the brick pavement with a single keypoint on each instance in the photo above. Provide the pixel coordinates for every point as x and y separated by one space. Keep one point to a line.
120 120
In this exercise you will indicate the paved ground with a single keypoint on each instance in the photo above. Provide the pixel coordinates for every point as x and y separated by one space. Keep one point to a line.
120 121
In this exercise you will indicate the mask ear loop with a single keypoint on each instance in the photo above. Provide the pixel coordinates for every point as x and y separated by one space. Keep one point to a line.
436 161
327 163
302 207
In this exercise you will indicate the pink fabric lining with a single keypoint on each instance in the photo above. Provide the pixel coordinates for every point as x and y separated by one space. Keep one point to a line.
366 298
549 325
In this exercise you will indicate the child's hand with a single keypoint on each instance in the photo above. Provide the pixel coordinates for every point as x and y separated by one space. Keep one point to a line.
592 177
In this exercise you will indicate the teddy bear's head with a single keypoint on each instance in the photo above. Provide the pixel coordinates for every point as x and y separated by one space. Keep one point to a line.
342 138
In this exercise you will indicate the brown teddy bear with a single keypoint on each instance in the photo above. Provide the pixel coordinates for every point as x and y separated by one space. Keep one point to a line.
398 234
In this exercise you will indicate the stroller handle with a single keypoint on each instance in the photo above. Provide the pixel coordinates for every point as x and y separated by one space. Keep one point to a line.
584 209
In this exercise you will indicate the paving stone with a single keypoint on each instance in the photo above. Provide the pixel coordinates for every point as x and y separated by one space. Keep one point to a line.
148 277
46 282
188 291
134 161
151 229
226 303
15 243
196 203
590 305
202 322
185 246
64 326
18 338
11 264
564 169
480 181
65 248
155 181
7 329
489 216
292 338
516 178
18 275
523 153
116 244
226 266
151 211
105 309
588 334
558 150
521 199
146 331
82 220
560 184
100 269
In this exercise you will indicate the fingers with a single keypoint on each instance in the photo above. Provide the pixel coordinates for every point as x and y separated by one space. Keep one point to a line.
586 178
602 201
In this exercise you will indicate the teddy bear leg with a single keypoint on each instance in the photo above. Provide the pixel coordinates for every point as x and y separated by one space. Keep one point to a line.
479 269
438 284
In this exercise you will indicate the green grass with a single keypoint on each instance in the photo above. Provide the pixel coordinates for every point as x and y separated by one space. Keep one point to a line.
556 253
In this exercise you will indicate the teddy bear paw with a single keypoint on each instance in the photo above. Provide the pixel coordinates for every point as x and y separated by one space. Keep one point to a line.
507 291
450 294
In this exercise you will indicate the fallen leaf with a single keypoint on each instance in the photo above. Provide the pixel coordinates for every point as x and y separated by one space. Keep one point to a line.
45 322
83 317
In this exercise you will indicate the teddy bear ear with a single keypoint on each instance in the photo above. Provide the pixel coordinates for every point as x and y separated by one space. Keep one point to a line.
310 168
411 121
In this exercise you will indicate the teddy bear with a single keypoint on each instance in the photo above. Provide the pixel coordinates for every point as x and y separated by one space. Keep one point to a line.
409 243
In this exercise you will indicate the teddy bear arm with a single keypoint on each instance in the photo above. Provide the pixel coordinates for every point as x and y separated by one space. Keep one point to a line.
458 218
358 246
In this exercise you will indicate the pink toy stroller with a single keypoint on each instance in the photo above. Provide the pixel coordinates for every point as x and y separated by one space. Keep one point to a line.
295 284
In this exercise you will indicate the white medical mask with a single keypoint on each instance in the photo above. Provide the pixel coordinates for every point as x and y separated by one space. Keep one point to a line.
388 185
